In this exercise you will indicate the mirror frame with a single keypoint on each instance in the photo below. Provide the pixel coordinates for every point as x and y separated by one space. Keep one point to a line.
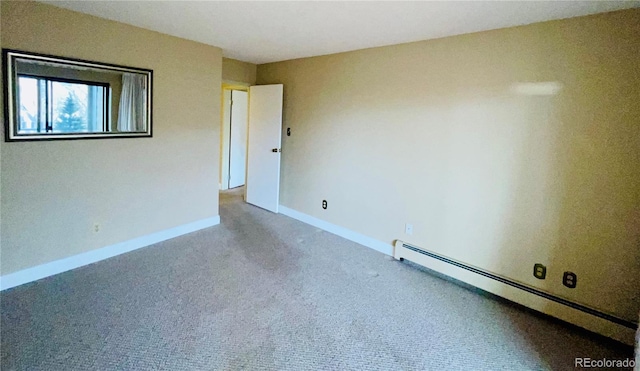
9 57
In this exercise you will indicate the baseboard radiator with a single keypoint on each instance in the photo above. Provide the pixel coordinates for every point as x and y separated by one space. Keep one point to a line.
578 314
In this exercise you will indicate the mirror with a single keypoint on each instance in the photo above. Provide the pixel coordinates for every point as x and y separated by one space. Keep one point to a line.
49 97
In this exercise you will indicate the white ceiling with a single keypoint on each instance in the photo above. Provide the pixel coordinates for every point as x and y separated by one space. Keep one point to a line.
265 31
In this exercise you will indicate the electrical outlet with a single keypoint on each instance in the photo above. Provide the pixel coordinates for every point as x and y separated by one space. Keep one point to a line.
408 229
539 271
96 227
324 204
570 280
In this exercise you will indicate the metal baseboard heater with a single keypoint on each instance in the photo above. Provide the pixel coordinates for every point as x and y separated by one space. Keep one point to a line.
581 315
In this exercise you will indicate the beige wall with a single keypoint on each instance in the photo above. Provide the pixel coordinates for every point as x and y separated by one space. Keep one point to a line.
54 191
235 71
433 134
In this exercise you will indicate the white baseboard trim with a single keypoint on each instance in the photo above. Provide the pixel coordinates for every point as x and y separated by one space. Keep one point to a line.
58 266
350 235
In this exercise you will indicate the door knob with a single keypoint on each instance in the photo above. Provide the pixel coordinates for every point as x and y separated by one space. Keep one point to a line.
276 150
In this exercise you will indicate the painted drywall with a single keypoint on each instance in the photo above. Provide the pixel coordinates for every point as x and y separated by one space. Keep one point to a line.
54 191
235 71
502 148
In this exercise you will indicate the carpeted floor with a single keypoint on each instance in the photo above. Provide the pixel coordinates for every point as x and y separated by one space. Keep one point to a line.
266 292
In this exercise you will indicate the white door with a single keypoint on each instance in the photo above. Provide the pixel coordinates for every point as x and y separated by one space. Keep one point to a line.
265 130
238 140
224 141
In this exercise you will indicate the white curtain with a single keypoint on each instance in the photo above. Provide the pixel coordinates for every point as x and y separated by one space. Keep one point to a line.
132 111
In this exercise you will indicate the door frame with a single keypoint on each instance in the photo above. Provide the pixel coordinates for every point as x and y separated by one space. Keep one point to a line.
223 160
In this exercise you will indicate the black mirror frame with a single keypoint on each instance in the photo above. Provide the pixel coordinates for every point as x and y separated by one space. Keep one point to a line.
8 58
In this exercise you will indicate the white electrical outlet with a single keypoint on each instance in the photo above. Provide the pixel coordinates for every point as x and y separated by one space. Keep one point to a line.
408 229
96 227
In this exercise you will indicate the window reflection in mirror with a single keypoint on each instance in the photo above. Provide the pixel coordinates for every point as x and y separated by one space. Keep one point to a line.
55 98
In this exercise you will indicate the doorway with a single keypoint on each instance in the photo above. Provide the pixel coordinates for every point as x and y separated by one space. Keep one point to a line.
251 136
235 119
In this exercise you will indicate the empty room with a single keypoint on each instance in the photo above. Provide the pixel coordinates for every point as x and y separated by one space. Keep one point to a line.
311 185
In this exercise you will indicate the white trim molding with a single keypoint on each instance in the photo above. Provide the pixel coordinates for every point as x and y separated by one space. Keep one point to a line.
58 266
385 248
